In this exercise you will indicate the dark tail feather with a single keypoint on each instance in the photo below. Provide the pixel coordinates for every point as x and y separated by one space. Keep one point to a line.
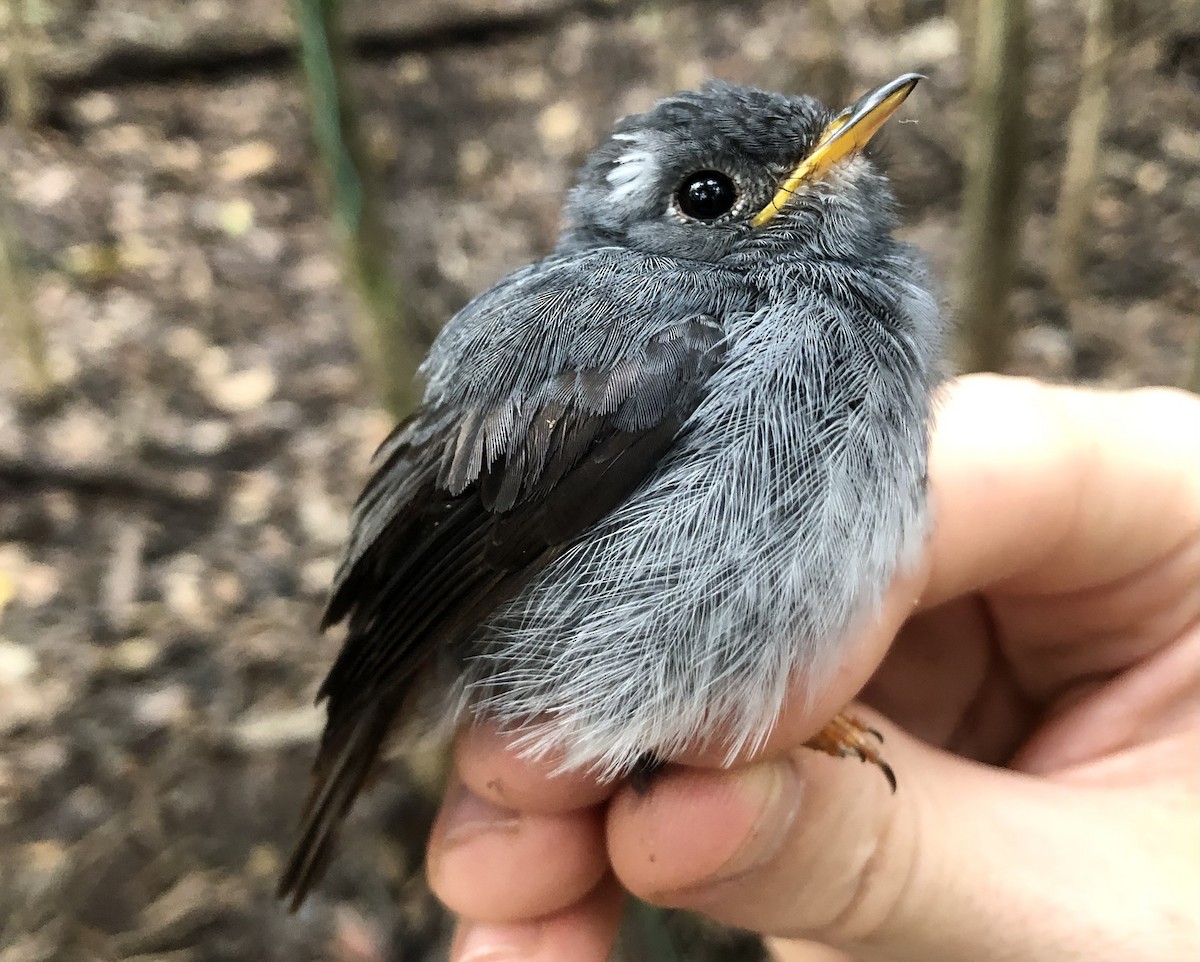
342 768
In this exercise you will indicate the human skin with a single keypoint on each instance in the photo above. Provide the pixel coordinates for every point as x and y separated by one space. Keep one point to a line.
1037 679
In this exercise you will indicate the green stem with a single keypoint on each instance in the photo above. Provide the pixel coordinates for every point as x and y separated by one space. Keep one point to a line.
390 348
16 308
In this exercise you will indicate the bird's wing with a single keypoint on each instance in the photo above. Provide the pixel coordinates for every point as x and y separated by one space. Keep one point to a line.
549 401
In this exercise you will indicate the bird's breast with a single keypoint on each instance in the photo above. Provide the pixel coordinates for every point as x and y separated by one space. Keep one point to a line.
775 521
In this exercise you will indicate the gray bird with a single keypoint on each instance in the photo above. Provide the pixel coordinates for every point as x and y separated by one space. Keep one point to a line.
657 476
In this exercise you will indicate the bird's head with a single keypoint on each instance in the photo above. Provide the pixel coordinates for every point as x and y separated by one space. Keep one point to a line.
729 169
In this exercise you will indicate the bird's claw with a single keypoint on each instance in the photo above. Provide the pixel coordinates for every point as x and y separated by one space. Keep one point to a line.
846 735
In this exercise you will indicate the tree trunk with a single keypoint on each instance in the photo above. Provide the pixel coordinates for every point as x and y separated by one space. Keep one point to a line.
1078 187
22 86
995 166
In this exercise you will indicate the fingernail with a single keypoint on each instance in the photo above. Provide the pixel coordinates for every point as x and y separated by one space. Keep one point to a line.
465 814
774 789
483 942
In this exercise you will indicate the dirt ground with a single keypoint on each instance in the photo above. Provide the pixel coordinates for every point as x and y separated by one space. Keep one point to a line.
170 520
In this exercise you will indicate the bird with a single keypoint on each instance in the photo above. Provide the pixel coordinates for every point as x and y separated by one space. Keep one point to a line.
656 476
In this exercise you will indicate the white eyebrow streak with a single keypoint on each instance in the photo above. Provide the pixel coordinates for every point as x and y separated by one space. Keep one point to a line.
634 171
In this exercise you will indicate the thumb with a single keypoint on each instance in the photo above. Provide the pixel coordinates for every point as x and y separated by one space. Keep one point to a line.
963 862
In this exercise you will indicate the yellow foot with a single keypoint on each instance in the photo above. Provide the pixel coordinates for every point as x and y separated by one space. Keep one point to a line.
846 735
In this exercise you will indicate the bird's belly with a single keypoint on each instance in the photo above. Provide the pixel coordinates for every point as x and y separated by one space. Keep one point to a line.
689 611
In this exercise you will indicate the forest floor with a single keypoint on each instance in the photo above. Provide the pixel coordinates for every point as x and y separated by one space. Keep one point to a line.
171 517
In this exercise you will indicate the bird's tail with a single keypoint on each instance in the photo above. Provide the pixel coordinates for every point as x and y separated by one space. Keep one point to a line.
344 763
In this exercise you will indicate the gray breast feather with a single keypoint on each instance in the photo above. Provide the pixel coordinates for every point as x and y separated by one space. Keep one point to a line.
797 479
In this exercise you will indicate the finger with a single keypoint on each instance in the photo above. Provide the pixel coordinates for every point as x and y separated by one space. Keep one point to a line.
487 762
1138 729
964 861
1077 514
496 864
801 950
943 682
1045 489
583 932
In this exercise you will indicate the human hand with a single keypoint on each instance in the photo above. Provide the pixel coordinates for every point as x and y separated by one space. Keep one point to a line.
1040 677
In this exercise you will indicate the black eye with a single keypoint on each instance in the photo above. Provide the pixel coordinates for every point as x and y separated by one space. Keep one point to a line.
706 195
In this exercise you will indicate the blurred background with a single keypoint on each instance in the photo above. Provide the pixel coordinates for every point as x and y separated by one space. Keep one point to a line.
228 228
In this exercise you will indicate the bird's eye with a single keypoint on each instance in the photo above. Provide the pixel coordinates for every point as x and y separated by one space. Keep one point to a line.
706 195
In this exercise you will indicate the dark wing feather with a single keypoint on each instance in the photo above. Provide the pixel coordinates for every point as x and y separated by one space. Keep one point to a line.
468 504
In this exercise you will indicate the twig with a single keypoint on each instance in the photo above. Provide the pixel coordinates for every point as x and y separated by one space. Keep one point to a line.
107 481
1193 380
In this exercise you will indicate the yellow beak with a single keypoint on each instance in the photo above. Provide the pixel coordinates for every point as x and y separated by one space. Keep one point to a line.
845 136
